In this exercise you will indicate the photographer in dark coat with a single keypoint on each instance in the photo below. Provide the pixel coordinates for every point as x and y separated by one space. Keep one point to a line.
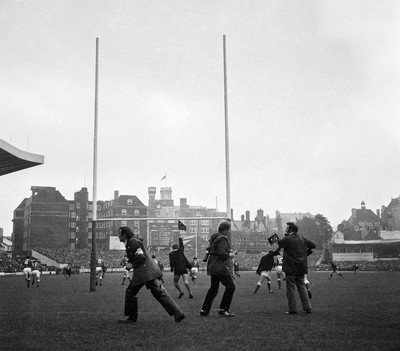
295 265
218 267
145 272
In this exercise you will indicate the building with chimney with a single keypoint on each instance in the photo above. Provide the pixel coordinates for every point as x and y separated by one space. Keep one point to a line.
390 215
128 211
361 238
164 232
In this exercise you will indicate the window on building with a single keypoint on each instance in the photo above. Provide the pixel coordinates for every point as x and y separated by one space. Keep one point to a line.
72 235
204 222
192 222
73 225
123 212
136 212
72 214
123 223
77 218
71 207
129 202
78 205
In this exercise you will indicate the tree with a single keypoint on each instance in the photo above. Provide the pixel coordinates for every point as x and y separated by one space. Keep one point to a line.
317 229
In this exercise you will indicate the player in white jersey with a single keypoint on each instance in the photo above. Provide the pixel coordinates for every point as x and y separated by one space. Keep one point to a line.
194 270
278 269
36 271
124 263
27 269
307 283
99 271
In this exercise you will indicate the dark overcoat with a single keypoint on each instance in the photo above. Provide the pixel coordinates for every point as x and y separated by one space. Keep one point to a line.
144 268
219 262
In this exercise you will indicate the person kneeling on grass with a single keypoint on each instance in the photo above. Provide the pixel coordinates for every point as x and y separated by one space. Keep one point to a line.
145 273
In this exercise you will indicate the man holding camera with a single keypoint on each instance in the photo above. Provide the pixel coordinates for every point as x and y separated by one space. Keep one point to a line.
295 265
220 255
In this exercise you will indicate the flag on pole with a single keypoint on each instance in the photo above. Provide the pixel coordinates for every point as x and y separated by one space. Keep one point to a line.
273 239
187 239
165 176
181 226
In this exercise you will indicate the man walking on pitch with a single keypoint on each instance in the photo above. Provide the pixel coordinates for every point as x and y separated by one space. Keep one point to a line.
295 265
220 254
180 265
145 273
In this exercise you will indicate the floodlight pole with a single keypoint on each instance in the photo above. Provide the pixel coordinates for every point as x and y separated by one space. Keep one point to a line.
94 202
227 168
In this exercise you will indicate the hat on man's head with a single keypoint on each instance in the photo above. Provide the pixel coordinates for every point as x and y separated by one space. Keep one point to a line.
175 246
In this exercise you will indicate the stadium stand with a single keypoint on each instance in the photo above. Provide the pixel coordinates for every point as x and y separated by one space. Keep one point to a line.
80 259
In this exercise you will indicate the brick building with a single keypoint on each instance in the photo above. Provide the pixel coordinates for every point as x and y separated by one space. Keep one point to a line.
164 232
41 221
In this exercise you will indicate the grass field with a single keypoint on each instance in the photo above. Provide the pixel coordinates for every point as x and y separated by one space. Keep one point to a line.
360 312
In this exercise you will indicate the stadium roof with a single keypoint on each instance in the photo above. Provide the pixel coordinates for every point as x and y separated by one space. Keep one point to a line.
13 159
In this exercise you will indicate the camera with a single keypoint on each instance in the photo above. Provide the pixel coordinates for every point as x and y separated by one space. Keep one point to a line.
232 253
206 255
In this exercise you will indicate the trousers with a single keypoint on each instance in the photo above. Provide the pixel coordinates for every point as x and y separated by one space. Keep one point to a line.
293 281
225 280
156 288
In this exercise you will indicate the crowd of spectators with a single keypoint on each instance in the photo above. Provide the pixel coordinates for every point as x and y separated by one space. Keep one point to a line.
7 264
80 259
379 265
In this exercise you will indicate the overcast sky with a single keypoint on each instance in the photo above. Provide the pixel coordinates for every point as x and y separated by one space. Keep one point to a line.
313 101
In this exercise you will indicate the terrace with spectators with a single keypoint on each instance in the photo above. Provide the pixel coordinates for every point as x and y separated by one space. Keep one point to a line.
80 259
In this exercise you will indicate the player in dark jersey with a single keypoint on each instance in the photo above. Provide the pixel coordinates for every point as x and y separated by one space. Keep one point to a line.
335 270
36 271
264 268
27 270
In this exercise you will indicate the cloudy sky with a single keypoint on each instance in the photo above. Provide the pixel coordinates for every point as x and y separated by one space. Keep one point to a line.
313 101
